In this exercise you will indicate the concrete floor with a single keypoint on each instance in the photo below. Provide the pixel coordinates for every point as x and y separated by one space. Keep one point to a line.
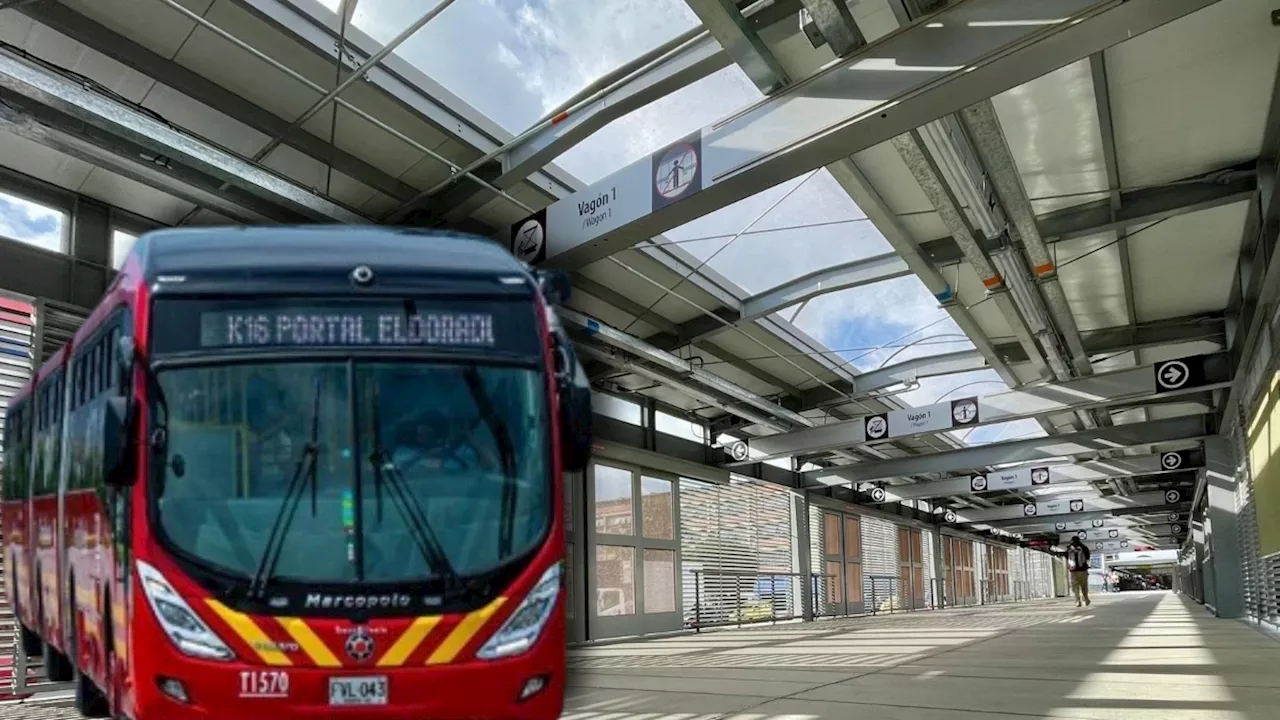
1131 656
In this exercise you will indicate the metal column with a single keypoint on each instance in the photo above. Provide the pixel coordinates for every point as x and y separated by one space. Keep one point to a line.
800 509
1222 576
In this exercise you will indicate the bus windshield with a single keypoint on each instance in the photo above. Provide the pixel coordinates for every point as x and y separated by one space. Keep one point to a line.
464 444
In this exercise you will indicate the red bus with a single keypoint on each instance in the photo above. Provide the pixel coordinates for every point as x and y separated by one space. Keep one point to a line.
284 471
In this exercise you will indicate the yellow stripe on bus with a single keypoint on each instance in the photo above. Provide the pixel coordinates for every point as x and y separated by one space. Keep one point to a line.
306 638
249 631
463 633
408 641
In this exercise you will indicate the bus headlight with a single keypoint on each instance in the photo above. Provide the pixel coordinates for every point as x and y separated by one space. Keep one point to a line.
524 626
185 629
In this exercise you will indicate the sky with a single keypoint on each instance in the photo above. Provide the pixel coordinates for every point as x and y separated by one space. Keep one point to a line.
31 223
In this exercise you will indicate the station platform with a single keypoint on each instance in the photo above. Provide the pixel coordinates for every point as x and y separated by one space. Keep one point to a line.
1129 656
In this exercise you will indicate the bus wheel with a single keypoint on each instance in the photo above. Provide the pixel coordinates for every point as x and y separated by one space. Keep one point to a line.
31 643
56 665
90 700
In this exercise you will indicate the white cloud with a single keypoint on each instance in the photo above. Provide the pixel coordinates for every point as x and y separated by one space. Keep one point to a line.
30 223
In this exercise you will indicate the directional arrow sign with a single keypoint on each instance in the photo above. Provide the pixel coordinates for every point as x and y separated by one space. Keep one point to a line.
1181 374
877 494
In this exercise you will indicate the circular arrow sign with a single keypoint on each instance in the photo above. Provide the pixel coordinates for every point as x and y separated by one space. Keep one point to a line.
1124 543
1028 509
1077 505
978 483
1113 533
1173 516
1171 461
877 494
1082 534
1059 526
1098 523
1172 496
1172 375
1040 476
738 451
950 516
1177 528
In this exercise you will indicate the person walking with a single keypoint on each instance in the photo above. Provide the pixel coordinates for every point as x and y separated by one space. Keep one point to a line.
1078 565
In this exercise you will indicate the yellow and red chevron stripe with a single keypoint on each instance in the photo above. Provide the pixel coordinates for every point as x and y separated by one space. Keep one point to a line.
426 640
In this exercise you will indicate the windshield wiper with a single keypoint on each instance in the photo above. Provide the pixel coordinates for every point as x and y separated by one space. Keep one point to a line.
506 451
304 472
385 470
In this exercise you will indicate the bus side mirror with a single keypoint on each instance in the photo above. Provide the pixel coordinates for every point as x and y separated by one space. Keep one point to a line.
117 449
575 406
555 286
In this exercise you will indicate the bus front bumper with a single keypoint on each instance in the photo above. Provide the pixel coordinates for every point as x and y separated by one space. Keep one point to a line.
527 688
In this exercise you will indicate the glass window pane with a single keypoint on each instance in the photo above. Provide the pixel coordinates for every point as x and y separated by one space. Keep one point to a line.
852 538
121 243
615 580
613 501
616 408
659 581
656 508
683 428
831 533
517 61
835 588
32 223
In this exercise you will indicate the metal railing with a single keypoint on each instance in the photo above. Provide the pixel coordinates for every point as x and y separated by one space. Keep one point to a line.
723 599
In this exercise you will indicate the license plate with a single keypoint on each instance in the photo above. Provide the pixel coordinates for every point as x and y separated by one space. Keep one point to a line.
370 690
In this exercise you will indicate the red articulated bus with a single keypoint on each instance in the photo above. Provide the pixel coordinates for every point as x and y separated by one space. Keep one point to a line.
289 471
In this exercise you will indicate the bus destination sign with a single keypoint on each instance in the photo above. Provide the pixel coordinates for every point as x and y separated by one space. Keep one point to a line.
332 327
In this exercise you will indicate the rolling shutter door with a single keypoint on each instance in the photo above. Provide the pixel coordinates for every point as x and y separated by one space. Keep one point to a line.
16 329
740 540
881 582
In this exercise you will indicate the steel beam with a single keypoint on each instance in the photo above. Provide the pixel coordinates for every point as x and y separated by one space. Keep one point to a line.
855 183
835 23
67 135
896 84
1085 443
201 89
1138 207
59 93
1030 477
1113 388
1071 506
728 26
1159 508
839 277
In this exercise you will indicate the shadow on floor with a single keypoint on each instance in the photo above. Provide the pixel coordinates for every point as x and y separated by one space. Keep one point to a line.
1130 656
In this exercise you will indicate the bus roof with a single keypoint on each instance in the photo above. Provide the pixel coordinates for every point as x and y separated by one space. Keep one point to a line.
339 247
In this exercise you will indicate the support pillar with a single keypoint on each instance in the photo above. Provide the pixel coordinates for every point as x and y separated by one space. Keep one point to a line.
940 589
1222 570
804 563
